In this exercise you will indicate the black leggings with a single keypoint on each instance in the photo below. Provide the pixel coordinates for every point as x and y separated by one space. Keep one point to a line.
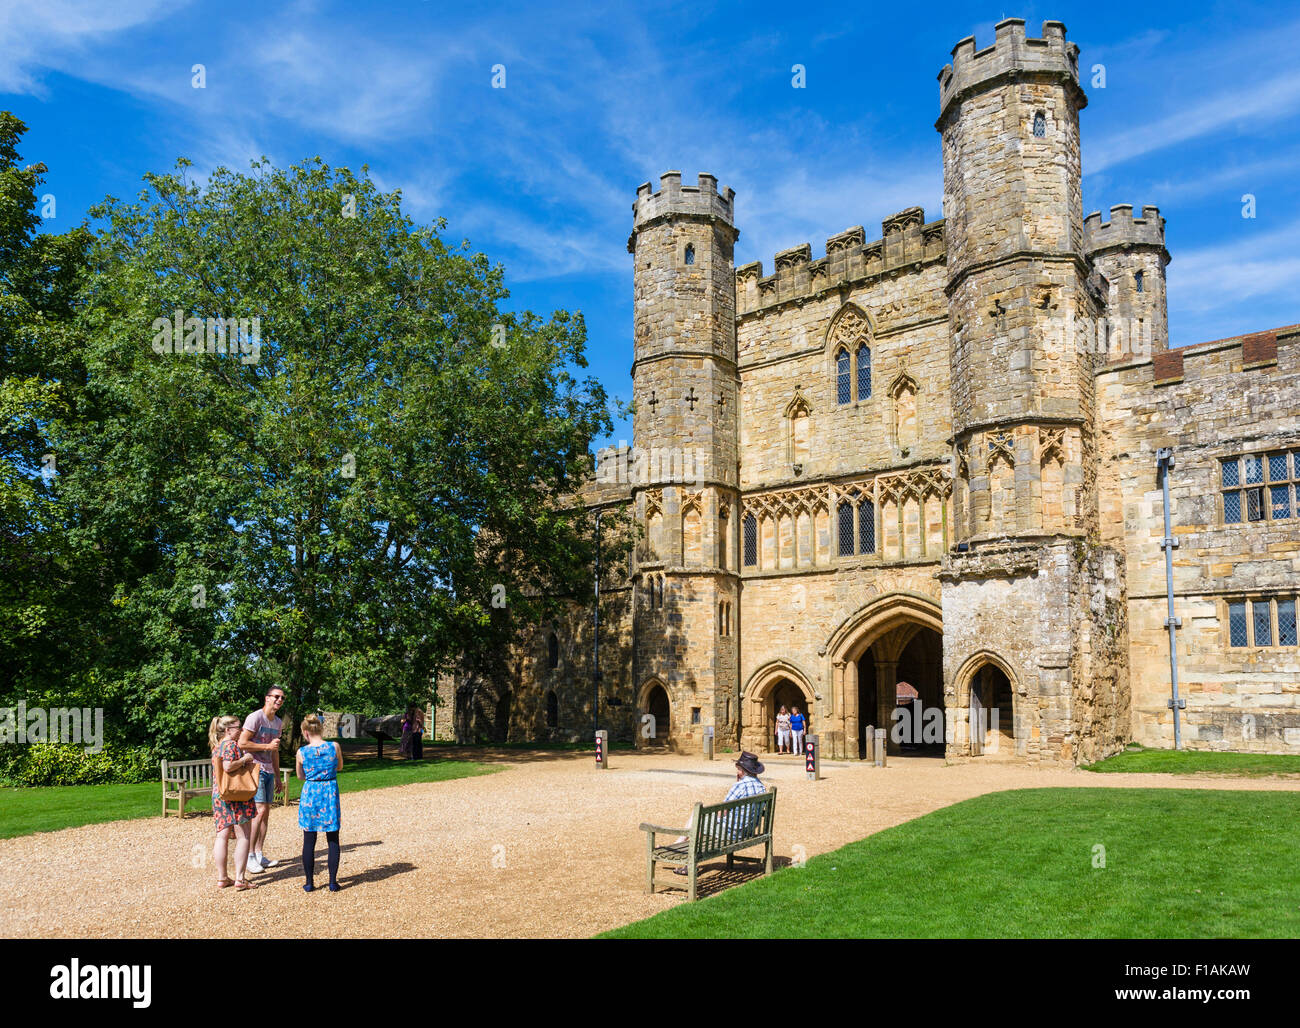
309 856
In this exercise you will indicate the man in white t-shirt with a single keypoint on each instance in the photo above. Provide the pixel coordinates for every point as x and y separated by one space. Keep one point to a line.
261 738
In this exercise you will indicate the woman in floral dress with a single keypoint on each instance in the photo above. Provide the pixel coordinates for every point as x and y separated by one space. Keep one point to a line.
318 807
228 816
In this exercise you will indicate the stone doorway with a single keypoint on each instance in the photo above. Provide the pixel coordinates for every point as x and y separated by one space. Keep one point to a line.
776 683
784 694
894 638
657 706
903 669
992 713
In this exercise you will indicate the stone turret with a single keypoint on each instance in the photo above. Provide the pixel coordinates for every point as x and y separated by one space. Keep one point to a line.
1024 398
1130 255
686 391
1017 277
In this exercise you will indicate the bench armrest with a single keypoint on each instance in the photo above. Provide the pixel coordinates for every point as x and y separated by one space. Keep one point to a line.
660 828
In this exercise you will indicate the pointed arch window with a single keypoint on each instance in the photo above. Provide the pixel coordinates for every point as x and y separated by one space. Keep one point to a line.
866 527
843 382
690 253
553 651
864 372
846 528
552 709
1139 281
751 540
1040 125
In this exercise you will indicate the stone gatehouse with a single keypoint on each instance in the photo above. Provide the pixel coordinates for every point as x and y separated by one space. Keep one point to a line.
931 457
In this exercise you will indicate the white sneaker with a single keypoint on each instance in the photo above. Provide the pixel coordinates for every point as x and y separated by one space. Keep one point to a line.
266 861
254 868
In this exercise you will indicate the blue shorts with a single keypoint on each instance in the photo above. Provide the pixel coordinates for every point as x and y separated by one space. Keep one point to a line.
265 787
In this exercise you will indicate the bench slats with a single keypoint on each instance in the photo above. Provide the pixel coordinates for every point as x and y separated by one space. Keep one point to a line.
182 779
718 830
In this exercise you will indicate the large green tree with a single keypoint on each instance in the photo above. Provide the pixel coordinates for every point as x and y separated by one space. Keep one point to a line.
370 482
52 594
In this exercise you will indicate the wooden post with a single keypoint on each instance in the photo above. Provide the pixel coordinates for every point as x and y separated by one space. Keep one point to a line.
602 750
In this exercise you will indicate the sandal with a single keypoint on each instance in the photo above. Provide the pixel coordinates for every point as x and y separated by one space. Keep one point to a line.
243 886
223 883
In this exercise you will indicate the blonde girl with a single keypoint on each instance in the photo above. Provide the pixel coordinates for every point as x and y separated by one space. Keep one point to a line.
233 815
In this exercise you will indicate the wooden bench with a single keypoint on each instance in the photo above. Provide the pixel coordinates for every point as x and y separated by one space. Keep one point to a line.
182 779
713 833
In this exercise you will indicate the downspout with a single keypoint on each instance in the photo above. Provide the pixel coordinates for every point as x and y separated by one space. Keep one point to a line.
1165 461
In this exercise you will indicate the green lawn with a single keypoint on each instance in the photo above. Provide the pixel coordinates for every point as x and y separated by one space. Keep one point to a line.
1189 762
24 811
1179 863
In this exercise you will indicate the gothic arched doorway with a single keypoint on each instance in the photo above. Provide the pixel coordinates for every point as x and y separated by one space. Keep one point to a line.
992 712
776 684
894 639
900 689
658 731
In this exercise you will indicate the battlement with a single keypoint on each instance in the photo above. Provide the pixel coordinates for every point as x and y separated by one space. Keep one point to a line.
1123 229
702 200
906 242
1010 55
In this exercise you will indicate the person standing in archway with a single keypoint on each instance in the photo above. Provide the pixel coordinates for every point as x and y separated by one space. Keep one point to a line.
782 730
797 727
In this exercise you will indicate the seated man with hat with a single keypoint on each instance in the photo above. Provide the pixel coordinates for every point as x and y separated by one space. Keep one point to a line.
748 769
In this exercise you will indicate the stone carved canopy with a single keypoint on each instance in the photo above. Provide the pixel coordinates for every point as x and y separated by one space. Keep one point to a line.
849 327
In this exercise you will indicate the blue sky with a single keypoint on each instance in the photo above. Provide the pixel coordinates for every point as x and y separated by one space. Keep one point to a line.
1200 106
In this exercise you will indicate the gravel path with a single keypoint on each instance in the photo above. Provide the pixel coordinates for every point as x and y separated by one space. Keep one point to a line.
548 846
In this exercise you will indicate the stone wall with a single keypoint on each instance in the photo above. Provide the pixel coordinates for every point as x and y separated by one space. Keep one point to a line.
1005 472
1221 399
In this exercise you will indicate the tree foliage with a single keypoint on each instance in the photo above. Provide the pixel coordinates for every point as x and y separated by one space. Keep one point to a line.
334 509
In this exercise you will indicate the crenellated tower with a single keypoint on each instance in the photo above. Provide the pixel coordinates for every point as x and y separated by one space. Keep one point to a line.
1129 253
1022 378
1027 579
684 472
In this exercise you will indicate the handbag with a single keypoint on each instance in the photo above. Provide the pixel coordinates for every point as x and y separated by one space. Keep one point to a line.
238 786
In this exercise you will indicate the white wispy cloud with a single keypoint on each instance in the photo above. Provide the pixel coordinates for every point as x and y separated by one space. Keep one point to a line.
1254 266
58 33
1272 100
1232 178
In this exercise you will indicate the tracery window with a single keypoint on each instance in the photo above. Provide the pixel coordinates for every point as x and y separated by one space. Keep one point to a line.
866 527
843 383
864 372
846 528
751 540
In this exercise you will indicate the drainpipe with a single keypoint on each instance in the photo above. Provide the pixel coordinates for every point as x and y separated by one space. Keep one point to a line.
1165 461
595 641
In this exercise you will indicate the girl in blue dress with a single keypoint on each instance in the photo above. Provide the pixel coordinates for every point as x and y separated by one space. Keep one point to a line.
318 764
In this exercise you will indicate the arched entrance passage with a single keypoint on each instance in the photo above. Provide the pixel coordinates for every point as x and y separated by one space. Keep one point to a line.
987 694
769 687
896 638
654 701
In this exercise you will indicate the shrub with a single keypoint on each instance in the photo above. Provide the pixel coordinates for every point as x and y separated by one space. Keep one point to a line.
44 763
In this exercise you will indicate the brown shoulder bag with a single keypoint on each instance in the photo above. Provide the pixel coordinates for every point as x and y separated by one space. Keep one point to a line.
235 786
